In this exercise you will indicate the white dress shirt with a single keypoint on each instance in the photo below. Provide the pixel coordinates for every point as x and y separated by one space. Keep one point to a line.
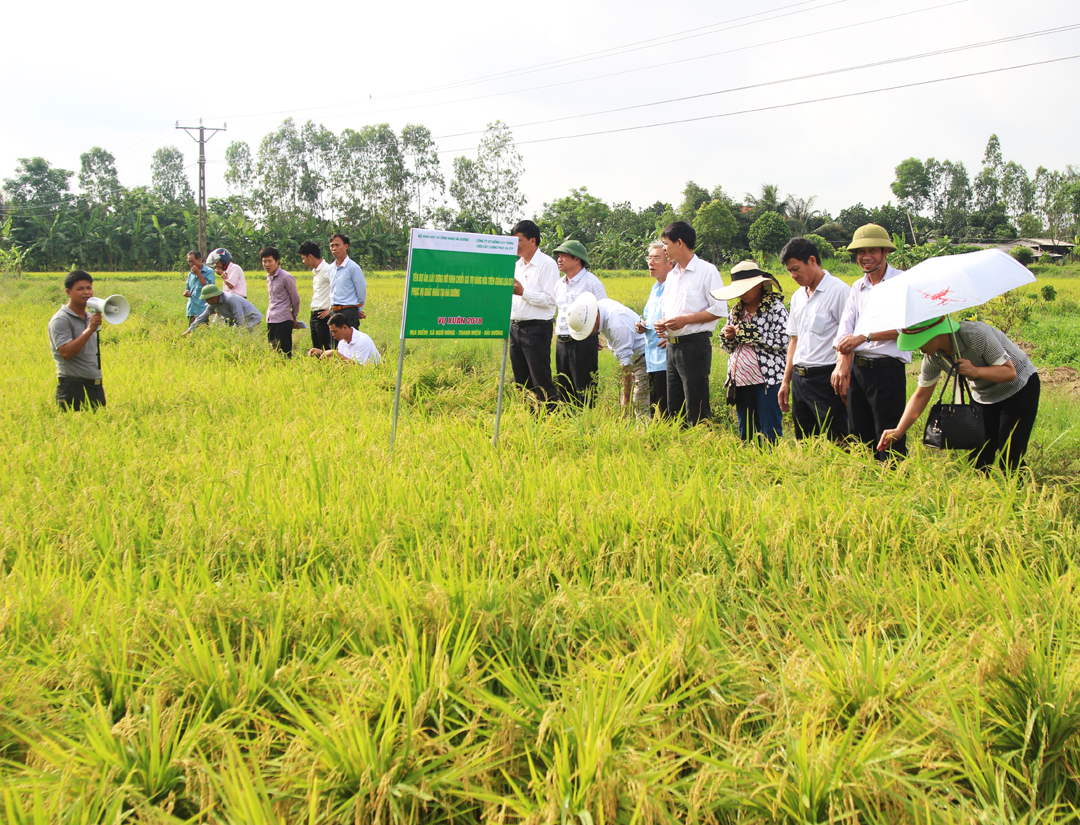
567 290
617 326
538 277
860 291
689 290
320 287
360 349
815 320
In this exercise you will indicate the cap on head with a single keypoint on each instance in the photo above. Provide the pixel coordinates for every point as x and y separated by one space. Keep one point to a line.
744 277
211 291
872 236
914 337
582 315
219 254
575 248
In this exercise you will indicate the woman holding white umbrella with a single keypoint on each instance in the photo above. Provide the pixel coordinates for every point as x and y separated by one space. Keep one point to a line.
1004 384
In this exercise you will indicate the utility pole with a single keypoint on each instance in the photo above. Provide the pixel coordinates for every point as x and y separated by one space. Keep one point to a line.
202 173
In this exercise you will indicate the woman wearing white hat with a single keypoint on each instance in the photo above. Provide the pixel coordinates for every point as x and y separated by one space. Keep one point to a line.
756 340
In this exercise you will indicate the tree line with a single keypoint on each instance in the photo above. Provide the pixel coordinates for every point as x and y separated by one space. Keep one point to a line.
374 184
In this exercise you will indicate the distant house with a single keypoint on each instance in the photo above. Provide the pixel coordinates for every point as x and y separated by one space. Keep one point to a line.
1054 249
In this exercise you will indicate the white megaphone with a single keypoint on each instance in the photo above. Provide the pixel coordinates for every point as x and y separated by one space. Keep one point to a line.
115 308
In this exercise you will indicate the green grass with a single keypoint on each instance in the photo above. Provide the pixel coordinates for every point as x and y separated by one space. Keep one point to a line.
222 599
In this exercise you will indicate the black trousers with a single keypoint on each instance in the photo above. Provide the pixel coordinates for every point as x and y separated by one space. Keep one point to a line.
279 334
73 395
658 392
320 331
689 362
1008 427
816 409
577 363
352 315
530 358
876 400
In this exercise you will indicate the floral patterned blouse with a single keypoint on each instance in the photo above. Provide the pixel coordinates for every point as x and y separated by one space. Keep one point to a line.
765 332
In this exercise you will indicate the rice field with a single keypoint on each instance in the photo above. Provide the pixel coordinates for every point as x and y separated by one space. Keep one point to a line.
224 600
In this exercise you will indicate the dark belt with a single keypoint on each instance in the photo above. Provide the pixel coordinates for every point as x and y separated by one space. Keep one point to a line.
870 363
86 382
533 323
339 307
805 372
679 339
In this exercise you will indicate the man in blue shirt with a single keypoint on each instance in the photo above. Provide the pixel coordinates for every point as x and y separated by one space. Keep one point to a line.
348 288
199 276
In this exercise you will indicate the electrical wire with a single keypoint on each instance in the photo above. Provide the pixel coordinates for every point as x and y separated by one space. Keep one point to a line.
765 84
784 105
614 51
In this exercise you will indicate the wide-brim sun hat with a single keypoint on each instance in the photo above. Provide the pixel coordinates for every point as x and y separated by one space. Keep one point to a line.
744 277
581 317
211 291
871 236
914 337
575 248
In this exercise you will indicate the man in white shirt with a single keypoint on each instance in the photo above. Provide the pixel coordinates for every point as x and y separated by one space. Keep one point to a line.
870 369
814 318
532 315
617 324
575 361
311 255
690 316
353 346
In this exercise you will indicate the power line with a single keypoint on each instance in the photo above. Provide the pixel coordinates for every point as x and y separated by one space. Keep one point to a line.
764 84
697 31
783 105
635 69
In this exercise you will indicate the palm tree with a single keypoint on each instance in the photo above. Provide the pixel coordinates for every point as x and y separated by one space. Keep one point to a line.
769 200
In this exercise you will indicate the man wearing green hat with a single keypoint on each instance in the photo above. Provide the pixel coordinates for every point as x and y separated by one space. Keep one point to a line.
228 305
576 362
870 369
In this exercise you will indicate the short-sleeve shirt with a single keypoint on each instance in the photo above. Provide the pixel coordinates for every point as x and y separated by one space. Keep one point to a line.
360 349
984 346
64 327
689 290
568 290
235 275
196 304
655 357
815 320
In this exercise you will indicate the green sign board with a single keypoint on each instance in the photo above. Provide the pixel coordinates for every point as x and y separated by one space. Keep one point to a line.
459 285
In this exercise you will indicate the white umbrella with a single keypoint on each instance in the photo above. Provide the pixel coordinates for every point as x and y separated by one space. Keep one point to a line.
938 286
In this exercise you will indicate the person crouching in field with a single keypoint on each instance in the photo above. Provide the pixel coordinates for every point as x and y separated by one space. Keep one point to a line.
353 346
284 308
756 340
588 317
1004 384
74 341
230 306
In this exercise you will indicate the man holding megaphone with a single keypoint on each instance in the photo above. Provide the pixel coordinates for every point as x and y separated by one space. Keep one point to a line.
74 340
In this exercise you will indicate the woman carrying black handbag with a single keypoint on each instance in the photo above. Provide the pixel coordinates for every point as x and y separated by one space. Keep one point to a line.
1004 384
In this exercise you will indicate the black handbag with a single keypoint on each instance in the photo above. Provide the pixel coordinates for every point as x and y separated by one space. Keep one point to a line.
955 426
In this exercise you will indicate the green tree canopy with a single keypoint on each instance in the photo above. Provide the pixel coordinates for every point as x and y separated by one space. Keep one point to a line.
769 233
715 227
169 179
37 183
97 175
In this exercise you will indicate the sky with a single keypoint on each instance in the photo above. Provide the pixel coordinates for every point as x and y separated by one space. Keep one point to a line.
120 75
